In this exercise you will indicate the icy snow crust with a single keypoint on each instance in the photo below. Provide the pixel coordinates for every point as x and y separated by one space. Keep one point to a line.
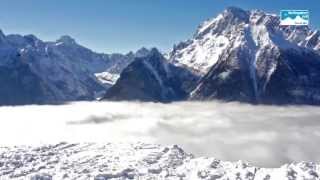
133 161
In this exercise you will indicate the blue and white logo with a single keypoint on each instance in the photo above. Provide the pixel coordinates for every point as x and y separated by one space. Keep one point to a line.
294 17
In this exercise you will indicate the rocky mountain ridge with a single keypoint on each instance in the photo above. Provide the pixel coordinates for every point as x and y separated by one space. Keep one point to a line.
38 72
239 55
243 56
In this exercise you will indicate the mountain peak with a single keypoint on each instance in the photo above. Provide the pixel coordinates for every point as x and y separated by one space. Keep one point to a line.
32 39
236 28
154 51
235 10
228 18
237 13
142 52
2 36
1 33
66 39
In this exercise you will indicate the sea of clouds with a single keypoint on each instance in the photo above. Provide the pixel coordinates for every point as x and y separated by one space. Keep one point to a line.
262 135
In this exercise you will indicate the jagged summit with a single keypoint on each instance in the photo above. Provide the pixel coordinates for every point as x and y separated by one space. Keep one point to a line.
154 51
233 27
151 78
42 72
230 16
31 39
235 10
247 56
66 39
237 13
142 52
144 79
2 35
239 55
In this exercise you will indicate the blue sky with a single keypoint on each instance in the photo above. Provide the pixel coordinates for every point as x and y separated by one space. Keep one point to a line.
124 25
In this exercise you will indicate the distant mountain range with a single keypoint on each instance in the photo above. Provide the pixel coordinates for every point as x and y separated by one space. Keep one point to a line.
247 56
237 56
37 72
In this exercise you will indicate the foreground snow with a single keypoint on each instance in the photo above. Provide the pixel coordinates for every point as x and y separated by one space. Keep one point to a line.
132 161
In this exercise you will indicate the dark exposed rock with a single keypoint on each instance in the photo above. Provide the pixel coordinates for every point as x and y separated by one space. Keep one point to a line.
152 78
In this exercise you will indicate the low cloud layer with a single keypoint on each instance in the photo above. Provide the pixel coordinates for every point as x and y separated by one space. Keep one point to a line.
263 135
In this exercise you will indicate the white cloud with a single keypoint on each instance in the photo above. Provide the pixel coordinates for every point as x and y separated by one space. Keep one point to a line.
263 135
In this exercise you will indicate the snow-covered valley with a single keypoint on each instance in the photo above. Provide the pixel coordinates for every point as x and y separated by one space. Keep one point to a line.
120 134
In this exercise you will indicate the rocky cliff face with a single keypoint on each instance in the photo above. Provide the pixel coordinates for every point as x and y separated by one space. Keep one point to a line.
34 71
152 78
247 56
18 89
239 56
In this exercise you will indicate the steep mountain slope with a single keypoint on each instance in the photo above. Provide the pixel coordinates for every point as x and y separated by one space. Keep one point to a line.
18 89
247 56
134 161
216 35
34 71
239 55
152 78
116 63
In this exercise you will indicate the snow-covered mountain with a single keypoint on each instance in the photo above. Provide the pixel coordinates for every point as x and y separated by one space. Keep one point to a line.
217 35
247 56
35 71
152 78
134 161
238 55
